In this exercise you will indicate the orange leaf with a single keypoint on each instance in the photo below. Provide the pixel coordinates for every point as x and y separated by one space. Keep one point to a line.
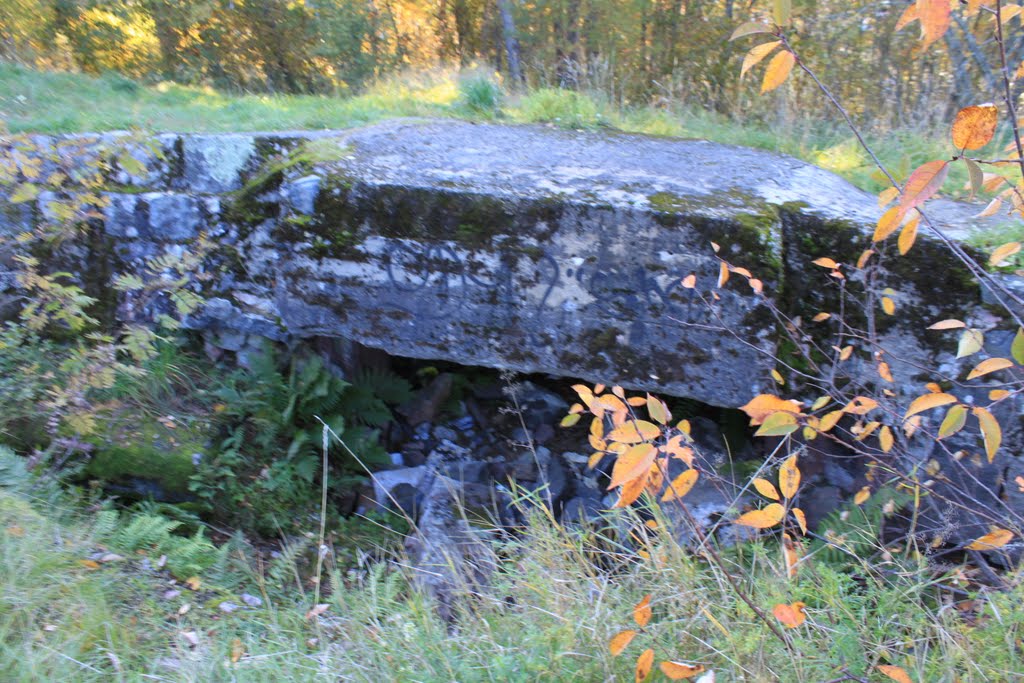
862 495
690 281
801 519
974 126
825 262
790 554
630 492
927 402
634 431
908 235
680 486
678 671
766 488
789 477
778 70
889 223
997 538
990 365
896 673
723 274
642 611
756 54
924 182
909 15
791 616
643 664
830 420
934 16
634 463
949 324
619 642
760 407
764 518
1003 252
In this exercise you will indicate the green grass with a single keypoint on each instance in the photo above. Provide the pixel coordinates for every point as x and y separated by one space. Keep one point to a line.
548 615
47 102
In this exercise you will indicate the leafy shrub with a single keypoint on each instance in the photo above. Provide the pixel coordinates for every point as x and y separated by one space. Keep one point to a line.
563 107
263 473
480 95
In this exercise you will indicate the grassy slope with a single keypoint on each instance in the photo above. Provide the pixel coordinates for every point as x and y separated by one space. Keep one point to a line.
549 616
62 103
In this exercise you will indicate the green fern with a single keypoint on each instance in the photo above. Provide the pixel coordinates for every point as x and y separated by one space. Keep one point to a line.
13 473
282 569
857 529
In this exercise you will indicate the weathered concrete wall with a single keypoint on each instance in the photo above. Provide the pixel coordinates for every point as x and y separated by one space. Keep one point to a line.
516 247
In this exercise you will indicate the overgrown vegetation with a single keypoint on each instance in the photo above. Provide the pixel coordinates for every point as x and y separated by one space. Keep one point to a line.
551 613
100 580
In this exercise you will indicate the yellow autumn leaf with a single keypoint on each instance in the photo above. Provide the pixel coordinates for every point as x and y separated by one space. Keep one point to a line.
763 405
927 402
634 463
1003 252
908 235
634 431
970 343
888 223
896 673
678 671
885 439
825 262
642 611
830 420
949 324
657 410
619 642
862 495
778 70
644 663
789 477
996 538
766 488
680 486
756 54
990 431
768 516
888 305
801 519
990 365
630 491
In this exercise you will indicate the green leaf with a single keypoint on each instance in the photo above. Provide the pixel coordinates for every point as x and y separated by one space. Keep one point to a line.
1017 349
955 420
778 424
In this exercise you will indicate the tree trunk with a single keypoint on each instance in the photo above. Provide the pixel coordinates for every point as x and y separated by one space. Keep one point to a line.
508 33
